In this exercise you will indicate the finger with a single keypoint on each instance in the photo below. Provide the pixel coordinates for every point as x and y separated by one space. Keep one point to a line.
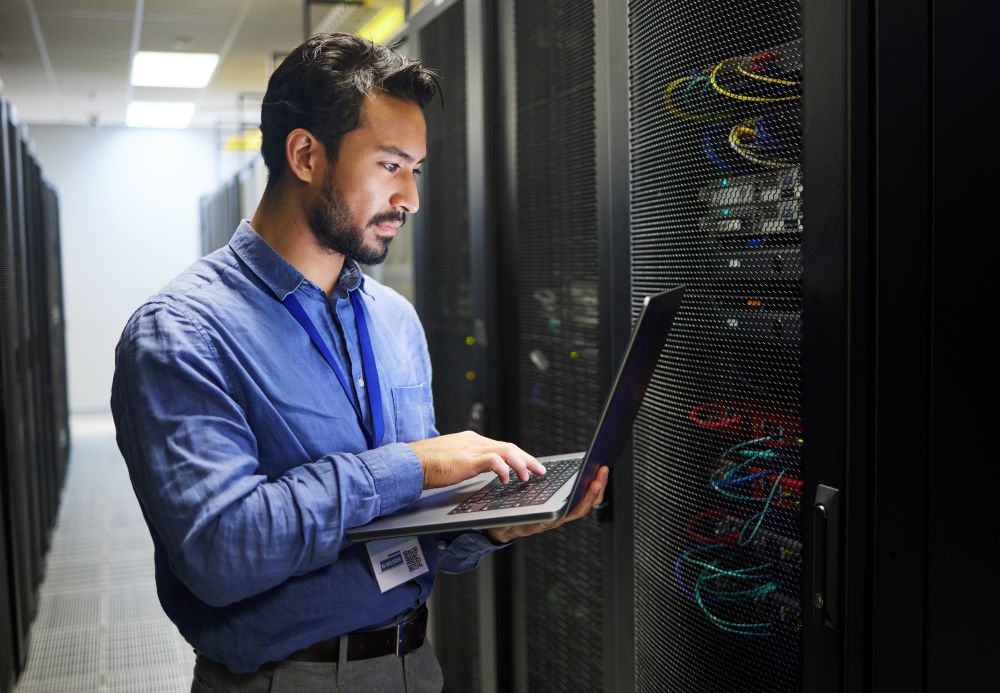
517 459
602 476
492 462
584 506
595 493
534 465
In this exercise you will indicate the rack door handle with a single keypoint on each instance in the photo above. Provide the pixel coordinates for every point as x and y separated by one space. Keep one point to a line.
826 557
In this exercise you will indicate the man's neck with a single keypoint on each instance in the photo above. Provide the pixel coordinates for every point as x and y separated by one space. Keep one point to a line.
281 222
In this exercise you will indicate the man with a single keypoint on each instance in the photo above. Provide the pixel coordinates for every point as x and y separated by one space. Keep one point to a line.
272 396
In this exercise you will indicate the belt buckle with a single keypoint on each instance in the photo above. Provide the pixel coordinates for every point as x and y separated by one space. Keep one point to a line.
400 635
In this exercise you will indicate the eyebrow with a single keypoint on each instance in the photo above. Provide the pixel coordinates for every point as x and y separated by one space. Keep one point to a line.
388 149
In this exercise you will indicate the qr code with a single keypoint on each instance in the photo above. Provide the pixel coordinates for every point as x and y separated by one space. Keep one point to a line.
413 560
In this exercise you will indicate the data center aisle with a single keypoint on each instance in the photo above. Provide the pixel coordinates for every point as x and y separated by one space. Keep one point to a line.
99 625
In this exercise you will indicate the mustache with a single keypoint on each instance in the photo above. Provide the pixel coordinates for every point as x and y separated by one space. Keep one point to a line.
388 216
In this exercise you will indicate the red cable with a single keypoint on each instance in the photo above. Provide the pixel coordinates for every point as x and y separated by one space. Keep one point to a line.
689 528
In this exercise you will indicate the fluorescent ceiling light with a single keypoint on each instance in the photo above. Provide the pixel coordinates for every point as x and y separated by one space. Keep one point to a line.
384 25
159 114
190 70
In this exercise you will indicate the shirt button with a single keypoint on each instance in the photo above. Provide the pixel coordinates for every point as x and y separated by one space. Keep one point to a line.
361 382
442 546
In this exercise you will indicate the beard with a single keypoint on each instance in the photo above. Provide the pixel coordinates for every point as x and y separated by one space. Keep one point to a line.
330 221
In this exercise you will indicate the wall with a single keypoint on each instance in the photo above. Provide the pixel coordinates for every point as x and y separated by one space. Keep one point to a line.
129 213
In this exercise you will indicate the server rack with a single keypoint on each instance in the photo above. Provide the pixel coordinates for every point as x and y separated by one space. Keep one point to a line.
565 253
11 583
220 214
34 445
454 272
797 166
717 204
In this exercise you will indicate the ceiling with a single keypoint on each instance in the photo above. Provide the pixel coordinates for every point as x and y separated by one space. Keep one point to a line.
68 61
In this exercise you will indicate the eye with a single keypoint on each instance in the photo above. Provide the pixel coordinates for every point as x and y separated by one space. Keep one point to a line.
390 166
417 171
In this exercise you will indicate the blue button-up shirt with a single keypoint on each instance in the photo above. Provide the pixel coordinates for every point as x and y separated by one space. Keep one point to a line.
248 459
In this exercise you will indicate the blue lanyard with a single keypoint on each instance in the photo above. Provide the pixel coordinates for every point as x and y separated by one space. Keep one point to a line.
367 362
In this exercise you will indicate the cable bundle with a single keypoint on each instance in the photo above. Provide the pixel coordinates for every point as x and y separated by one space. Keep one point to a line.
718 94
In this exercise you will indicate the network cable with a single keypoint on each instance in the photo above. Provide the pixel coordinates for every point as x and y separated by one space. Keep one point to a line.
689 81
737 585
713 79
742 139
753 74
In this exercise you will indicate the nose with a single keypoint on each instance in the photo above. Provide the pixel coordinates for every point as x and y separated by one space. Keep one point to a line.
406 197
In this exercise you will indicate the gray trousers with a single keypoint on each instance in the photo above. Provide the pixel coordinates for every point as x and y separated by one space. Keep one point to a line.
417 672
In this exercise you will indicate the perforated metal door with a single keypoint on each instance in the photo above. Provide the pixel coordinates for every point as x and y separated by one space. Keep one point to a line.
445 278
446 275
557 306
717 203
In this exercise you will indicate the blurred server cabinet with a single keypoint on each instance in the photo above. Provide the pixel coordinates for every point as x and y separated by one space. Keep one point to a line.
222 210
34 445
454 270
563 281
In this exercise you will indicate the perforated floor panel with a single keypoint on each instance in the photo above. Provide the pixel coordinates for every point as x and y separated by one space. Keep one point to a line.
99 625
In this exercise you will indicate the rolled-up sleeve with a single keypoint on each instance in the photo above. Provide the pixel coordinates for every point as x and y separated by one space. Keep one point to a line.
229 532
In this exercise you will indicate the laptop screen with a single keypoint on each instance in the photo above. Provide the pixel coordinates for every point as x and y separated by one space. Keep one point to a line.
629 387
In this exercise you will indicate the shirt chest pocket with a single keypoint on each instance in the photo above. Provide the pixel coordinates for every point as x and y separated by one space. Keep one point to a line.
413 412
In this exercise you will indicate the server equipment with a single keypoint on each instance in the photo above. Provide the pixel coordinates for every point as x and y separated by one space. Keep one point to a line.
454 274
718 201
517 284
788 164
563 300
221 214
34 445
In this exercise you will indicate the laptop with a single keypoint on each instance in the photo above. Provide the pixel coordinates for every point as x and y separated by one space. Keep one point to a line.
484 501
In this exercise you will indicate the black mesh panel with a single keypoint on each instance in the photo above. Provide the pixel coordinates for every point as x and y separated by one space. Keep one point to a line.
448 314
716 202
558 357
448 321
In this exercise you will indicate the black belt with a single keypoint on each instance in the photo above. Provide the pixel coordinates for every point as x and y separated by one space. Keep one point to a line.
399 640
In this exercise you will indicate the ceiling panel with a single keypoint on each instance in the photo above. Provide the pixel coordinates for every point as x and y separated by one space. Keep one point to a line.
246 70
86 75
67 35
217 10
22 75
89 45
193 38
83 6
15 31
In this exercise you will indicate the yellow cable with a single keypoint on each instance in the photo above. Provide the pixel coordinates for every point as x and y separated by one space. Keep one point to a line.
764 78
742 97
744 129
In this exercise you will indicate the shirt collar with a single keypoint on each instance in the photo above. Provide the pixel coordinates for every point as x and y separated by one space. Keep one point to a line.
277 273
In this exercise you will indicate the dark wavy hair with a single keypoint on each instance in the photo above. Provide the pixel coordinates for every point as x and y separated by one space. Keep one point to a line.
320 87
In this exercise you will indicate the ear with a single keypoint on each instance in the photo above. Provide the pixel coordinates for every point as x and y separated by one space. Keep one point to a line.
302 152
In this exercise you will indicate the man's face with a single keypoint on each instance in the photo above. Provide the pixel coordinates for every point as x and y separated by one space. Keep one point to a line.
365 195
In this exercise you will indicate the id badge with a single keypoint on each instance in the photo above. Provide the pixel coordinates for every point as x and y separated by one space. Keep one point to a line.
395 561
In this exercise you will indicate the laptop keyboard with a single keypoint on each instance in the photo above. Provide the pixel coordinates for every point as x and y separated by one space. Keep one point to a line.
518 494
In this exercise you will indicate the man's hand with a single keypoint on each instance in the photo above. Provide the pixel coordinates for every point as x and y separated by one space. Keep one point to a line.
594 497
449 459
